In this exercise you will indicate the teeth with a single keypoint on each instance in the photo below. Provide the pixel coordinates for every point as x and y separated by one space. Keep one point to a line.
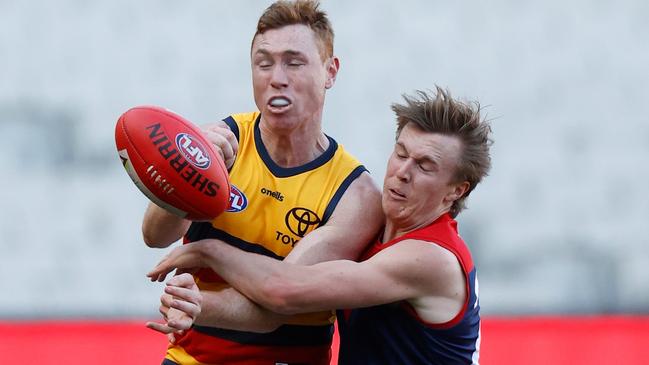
279 102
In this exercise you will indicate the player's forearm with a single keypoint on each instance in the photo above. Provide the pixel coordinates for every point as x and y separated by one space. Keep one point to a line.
231 310
161 228
273 284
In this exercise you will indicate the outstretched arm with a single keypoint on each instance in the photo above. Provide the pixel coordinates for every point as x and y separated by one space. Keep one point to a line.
355 222
427 275
182 302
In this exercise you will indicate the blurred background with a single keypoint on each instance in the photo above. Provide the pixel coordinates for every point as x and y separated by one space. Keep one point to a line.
559 227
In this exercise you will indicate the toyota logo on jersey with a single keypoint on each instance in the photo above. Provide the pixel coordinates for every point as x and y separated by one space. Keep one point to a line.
193 150
299 220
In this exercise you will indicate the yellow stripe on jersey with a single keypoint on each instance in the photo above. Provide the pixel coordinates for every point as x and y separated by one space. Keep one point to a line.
178 355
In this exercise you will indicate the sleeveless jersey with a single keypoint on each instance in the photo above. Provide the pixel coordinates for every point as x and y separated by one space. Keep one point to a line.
271 209
394 334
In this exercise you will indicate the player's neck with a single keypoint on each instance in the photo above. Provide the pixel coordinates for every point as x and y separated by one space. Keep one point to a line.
295 148
395 229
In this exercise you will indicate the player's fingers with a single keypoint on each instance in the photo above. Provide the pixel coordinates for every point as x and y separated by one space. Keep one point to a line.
191 294
223 129
184 280
164 329
184 323
232 139
228 144
163 309
160 327
190 309
221 143
155 275
160 271
168 263
165 301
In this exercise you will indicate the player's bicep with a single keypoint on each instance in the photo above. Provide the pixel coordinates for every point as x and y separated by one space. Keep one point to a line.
344 284
355 222
407 270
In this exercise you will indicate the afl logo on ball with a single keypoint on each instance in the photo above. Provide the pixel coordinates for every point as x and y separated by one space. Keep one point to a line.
193 150
299 220
238 200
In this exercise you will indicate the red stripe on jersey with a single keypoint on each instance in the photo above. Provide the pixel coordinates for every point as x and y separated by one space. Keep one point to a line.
442 232
213 350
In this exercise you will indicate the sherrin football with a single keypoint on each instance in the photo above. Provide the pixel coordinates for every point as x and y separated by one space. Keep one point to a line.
172 163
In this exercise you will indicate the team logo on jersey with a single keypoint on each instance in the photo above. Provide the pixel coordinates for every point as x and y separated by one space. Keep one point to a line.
299 220
238 200
193 150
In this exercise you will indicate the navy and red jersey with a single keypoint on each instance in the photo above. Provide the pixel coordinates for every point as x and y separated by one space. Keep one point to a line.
393 333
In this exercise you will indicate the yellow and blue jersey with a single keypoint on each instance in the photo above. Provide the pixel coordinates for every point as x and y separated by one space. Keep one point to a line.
271 209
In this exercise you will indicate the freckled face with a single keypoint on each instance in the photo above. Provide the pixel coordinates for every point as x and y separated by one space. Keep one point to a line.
289 77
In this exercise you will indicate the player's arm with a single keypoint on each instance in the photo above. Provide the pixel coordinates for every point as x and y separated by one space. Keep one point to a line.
354 223
161 228
230 309
182 302
409 270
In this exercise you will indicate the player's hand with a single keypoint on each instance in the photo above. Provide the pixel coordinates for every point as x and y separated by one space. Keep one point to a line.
179 306
182 257
224 140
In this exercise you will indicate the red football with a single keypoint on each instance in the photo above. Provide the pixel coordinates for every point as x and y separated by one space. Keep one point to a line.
172 163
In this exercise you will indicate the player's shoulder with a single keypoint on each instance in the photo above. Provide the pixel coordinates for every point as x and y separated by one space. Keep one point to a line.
435 254
360 205
364 185
244 118
241 124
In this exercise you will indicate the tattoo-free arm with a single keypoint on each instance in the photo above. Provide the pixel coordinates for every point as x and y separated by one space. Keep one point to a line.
427 275
354 223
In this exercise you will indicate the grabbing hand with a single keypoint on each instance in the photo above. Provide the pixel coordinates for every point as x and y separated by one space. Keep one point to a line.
183 257
179 306
224 140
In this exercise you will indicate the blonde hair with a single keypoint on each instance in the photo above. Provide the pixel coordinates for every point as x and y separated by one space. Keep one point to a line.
442 114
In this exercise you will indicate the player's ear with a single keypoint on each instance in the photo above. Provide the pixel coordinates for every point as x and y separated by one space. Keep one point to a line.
333 65
458 191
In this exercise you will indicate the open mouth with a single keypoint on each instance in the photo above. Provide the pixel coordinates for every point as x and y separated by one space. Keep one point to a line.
279 102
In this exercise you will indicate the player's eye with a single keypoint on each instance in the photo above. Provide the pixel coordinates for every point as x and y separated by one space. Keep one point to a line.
263 63
295 63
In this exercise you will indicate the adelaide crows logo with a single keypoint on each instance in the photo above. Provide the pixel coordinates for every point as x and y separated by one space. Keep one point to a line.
299 220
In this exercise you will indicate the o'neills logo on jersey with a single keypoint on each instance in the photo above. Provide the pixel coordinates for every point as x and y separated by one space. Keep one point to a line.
180 162
275 194
193 150
238 200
